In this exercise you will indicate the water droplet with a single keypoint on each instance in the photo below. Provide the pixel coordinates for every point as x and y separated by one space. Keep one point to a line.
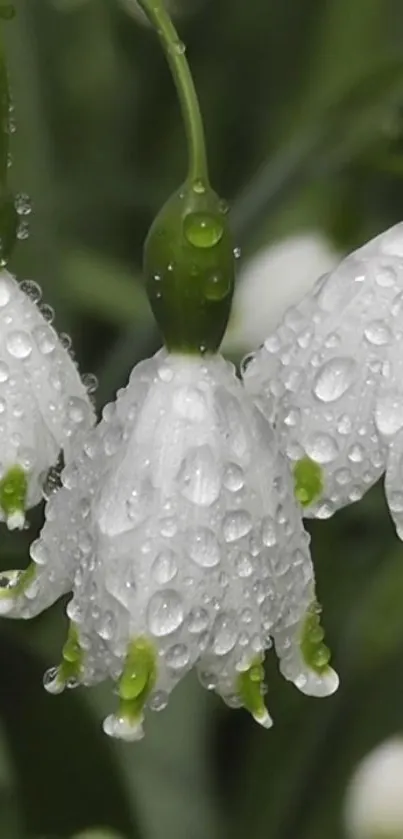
199 187
22 230
22 204
19 344
39 552
322 448
233 478
237 253
389 413
51 681
158 700
199 477
77 410
395 502
203 230
32 290
342 476
47 312
378 333
107 627
164 567
236 524
164 612
90 382
334 378
177 657
204 549
45 338
385 276
356 453
198 620
217 286
224 634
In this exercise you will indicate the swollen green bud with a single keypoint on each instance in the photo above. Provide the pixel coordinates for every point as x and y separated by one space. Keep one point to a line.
189 268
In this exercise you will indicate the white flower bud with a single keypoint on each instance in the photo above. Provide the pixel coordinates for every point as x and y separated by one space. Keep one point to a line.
331 379
275 278
177 530
374 804
44 407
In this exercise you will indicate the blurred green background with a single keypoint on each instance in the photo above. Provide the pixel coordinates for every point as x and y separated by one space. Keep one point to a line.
303 105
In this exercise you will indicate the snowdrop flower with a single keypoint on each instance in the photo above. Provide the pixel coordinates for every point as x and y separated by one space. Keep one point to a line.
44 406
374 804
177 530
275 278
330 378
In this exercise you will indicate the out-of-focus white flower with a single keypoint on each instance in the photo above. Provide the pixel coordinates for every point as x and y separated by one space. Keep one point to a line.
331 380
274 279
177 530
374 804
44 406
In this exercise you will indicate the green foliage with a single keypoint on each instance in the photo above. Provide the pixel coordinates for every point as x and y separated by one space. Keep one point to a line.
303 103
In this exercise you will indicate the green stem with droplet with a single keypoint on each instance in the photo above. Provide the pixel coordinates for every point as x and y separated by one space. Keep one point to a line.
175 54
188 253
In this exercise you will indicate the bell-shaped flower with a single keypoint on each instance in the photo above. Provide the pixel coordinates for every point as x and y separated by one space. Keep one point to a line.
44 405
330 379
177 530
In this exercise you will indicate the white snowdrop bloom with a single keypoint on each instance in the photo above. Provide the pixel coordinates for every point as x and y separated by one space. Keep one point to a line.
275 278
44 406
331 379
374 802
177 530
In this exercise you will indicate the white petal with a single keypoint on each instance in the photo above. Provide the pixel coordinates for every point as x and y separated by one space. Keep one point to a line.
275 278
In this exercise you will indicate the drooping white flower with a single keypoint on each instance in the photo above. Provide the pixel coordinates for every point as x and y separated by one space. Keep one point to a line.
44 406
374 803
178 533
275 278
330 379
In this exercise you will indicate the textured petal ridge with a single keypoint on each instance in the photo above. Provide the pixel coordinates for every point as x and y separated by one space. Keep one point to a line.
177 531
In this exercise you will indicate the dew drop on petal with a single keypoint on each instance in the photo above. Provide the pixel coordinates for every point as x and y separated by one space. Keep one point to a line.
45 338
224 634
4 371
334 378
19 344
164 567
204 549
236 524
378 333
233 478
177 657
389 413
199 477
322 448
198 620
164 612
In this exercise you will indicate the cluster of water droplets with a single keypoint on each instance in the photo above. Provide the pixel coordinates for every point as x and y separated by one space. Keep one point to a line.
44 405
330 376
176 522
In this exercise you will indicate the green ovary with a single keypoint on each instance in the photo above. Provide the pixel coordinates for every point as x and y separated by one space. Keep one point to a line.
13 491
308 481
138 678
315 653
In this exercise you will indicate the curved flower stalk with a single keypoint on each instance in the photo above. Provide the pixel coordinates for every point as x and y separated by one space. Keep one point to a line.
177 530
44 405
330 379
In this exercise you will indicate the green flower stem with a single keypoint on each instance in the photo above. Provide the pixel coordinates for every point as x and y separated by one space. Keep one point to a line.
175 52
